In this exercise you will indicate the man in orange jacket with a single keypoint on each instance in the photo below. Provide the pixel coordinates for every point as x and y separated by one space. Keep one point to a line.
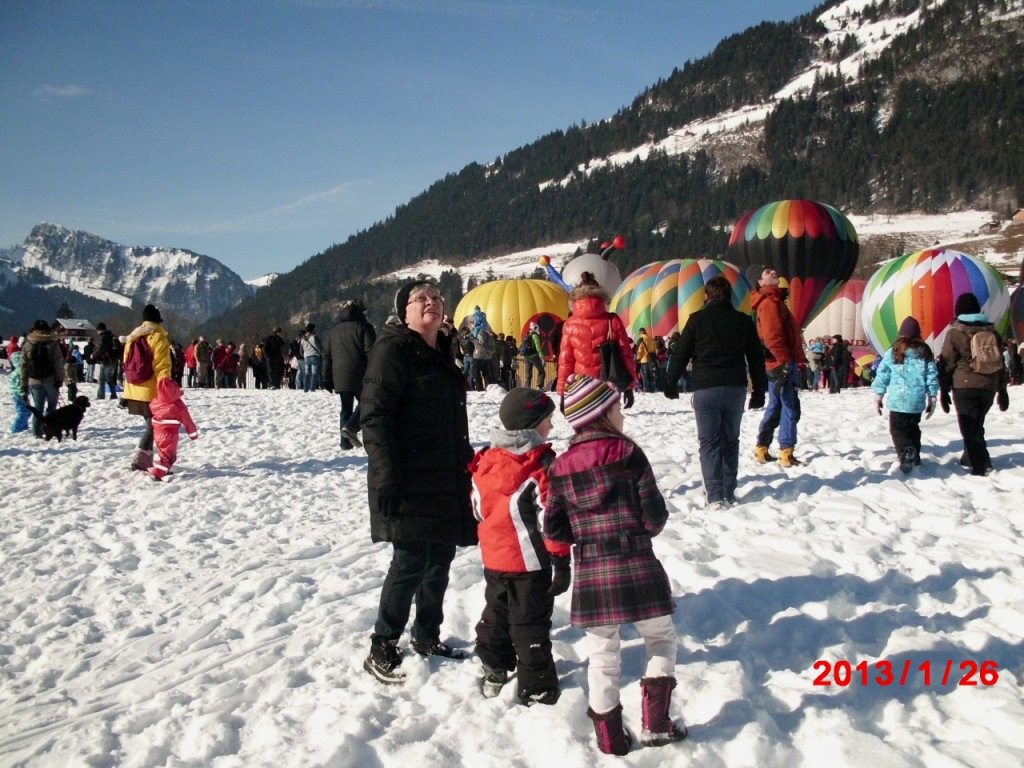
783 354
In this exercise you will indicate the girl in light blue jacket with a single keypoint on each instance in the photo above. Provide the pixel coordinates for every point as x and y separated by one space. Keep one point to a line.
909 374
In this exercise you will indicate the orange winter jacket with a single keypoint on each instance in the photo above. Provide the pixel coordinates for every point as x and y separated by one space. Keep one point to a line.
585 331
777 328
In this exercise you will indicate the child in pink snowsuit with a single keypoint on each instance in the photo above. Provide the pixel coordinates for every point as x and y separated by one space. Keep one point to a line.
169 415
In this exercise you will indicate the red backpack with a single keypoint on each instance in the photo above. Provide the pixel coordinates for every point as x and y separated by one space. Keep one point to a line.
138 368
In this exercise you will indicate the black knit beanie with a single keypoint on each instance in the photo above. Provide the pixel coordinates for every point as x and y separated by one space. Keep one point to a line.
402 297
966 304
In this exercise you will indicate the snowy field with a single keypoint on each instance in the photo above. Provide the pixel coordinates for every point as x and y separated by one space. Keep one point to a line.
222 619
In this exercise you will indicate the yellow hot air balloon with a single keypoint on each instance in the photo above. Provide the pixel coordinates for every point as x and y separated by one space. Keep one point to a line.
510 305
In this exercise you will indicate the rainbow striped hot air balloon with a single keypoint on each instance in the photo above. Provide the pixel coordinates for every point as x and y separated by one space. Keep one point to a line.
925 285
661 296
812 245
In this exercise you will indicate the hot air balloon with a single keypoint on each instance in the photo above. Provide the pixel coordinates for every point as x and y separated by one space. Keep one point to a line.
925 285
810 244
842 315
661 296
597 264
1017 313
510 305
863 357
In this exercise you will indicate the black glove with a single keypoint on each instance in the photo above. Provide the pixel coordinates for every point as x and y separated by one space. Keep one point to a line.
627 399
388 506
561 405
1003 400
878 404
672 391
561 575
930 408
756 400
944 400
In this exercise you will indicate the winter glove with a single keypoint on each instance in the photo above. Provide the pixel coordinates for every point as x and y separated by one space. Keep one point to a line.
756 400
627 399
930 409
1003 400
561 405
944 400
878 404
671 391
388 506
561 575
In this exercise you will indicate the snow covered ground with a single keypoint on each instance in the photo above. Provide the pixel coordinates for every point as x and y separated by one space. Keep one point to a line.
222 619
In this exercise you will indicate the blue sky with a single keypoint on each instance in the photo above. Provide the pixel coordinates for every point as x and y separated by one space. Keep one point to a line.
260 132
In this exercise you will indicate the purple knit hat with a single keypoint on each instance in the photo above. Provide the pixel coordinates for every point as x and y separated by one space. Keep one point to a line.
910 328
587 400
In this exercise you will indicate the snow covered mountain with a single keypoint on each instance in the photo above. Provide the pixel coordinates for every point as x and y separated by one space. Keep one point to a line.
61 260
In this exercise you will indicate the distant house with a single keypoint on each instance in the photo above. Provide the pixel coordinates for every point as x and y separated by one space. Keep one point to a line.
72 328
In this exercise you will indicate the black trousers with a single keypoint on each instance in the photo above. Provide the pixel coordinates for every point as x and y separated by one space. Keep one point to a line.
905 429
972 405
514 630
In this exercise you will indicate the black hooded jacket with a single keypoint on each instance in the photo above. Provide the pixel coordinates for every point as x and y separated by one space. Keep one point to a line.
347 349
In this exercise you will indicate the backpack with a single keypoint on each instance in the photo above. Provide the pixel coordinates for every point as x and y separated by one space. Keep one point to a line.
138 368
526 348
38 364
985 355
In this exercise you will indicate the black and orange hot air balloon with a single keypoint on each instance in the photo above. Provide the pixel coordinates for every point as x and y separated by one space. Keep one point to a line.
812 246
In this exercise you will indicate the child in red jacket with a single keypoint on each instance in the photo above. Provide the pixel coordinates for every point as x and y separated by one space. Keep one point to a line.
509 488
169 415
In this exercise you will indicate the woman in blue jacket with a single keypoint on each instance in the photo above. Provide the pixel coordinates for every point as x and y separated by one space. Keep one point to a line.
908 372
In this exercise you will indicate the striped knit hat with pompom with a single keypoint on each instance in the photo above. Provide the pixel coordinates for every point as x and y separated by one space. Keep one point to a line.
587 400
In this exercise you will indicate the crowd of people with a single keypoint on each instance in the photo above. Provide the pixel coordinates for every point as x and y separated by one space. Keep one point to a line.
545 523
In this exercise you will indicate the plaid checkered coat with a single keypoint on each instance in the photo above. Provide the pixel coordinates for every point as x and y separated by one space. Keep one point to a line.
604 500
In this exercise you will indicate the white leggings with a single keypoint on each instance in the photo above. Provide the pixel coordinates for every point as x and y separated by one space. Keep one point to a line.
603 643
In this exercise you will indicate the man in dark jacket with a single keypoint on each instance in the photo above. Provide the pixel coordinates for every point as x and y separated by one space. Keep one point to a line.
42 371
724 347
416 434
345 355
273 352
108 361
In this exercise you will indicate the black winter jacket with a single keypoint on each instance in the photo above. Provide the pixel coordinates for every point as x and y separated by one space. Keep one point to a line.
416 434
347 349
724 347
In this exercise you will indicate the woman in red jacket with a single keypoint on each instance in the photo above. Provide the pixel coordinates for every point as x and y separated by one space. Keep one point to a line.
590 325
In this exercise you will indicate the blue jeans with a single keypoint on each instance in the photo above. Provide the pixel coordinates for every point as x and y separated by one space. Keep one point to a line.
21 414
718 412
311 379
43 394
782 411
419 570
647 376
107 380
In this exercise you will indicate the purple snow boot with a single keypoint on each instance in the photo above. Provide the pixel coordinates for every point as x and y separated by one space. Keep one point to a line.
658 728
612 738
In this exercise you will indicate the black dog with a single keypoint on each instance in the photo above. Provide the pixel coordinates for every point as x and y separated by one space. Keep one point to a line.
63 421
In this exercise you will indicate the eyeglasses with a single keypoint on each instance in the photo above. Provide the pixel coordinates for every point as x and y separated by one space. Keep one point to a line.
424 298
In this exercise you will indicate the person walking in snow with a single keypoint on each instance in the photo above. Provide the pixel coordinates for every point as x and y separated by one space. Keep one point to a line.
603 499
416 436
42 371
908 373
18 393
152 342
170 415
510 486
974 383
783 355
590 324
723 345
346 353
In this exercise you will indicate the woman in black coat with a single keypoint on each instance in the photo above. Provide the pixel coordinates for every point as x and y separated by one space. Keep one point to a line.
416 434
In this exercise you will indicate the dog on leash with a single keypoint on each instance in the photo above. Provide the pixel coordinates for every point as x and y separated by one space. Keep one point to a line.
63 421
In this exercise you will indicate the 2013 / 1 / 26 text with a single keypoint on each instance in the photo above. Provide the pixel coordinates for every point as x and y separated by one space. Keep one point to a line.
883 673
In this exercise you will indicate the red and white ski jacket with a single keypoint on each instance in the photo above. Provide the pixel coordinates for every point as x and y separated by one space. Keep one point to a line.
510 485
169 412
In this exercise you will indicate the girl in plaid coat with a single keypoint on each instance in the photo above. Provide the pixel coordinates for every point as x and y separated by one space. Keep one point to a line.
603 499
